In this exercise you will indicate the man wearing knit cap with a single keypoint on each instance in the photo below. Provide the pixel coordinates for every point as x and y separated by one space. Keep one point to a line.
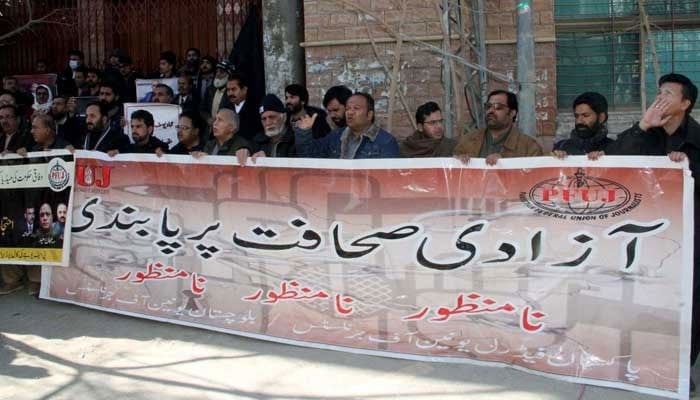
296 98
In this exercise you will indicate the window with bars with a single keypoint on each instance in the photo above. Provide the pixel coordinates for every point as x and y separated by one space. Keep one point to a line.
599 47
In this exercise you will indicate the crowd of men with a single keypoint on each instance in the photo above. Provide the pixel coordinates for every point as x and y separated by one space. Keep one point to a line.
220 117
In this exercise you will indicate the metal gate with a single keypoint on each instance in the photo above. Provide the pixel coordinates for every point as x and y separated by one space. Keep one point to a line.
142 28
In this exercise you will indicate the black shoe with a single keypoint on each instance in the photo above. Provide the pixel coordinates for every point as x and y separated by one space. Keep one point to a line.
692 386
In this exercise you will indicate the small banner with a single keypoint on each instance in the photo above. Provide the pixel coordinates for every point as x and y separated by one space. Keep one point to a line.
35 208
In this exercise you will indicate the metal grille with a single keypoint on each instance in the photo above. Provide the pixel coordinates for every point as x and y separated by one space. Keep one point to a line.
142 28
603 46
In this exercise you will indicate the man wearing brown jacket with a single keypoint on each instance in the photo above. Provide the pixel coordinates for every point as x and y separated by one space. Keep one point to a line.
501 138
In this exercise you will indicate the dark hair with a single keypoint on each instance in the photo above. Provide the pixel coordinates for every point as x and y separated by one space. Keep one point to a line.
167 88
211 60
14 109
126 60
82 69
196 50
512 100
340 93
144 116
112 85
75 52
197 121
425 110
168 56
95 71
242 80
370 101
186 75
690 91
595 101
10 78
298 90
2 92
104 111
41 60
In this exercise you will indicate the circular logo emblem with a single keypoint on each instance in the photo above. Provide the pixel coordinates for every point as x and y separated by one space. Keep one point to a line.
59 177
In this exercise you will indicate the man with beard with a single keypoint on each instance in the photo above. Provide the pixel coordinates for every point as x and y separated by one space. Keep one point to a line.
429 139
215 97
101 135
79 83
109 97
163 94
60 225
192 61
12 138
334 102
93 78
501 138
247 109
12 275
142 127
127 79
296 99
590 135
67 125
276 139
186 97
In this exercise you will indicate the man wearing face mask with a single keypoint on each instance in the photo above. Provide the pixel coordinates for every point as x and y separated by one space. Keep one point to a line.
65 82
216 98
590 134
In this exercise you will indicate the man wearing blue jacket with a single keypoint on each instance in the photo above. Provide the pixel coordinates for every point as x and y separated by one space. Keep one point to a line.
362 138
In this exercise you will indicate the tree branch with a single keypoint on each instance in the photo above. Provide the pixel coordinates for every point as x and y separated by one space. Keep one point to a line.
31 22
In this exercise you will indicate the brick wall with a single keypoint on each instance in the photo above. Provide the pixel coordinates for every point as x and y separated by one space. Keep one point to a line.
352 61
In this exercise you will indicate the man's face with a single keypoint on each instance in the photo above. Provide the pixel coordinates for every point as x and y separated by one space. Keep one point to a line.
76 59
107 95
356 113
586 118
337 112
6 99
223 125
498 115
165 67
79 79
92 80
186 133
94 120
293 103
114 61
433 125
42 95
40 68
206 67
673 93
192 57
41 133
8 121
58 107
236 94
61 213
184 86
161 95
29 215
124 70
140 132
273 122
45 217
10 84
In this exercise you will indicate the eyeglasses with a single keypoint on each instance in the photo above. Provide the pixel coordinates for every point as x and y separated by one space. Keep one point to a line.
183 127
434 122
495 106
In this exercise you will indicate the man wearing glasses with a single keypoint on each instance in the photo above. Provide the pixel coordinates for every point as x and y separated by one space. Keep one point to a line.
501 138
429 138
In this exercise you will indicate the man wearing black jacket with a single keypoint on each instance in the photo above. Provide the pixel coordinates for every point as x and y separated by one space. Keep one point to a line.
296 99
247 109
590 134
101 135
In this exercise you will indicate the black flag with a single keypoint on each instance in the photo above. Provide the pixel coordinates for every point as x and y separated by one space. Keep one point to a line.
247 55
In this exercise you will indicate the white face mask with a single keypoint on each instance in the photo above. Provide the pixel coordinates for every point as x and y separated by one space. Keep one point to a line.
73 64
220 82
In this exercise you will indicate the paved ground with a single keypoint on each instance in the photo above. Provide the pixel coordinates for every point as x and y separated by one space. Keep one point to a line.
57 351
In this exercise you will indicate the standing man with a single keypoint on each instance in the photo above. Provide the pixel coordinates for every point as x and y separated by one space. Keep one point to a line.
247 110
215 97
296 99
501 138
334 102
429 139
668 129
186 98
362 138
590 135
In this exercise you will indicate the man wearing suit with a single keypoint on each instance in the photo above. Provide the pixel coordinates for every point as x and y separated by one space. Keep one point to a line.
247 109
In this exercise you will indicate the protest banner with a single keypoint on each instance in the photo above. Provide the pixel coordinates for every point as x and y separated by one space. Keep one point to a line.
145 88
164 115
576 270
35 208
